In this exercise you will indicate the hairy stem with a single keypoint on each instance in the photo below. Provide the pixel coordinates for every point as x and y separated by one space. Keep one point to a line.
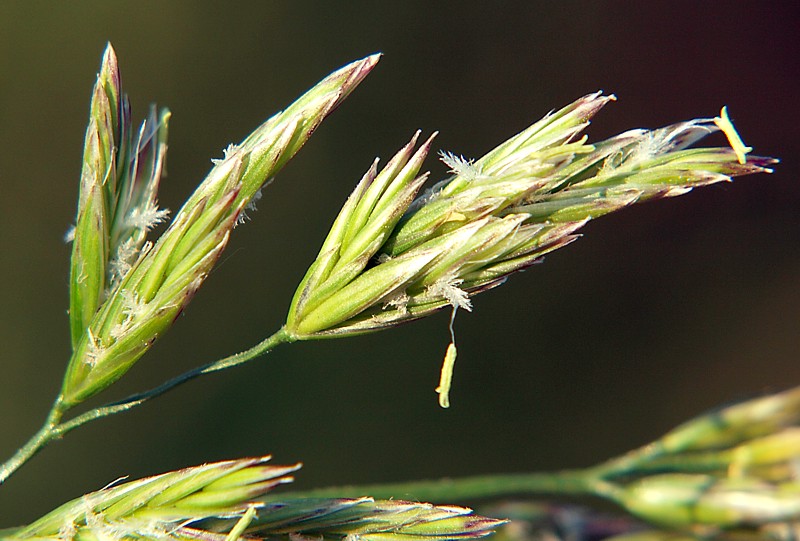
54 428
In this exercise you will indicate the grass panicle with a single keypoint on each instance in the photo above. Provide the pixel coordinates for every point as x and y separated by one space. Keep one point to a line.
221 500
396 252
391 260
154 282
730 469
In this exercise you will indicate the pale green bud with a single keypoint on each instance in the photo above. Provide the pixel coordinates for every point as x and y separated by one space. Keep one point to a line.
735 424
339 284
88 263
502 178
680 500
770 455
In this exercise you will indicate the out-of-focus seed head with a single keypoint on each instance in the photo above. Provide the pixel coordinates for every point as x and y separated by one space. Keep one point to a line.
735 424
680 500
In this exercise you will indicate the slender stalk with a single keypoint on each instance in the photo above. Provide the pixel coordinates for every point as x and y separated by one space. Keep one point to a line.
262 348
561 483
54 428
694 463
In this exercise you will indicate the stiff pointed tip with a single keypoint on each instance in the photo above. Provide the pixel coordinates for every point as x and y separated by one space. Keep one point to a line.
345 80
360 69
428 142
588 105
110 67
373 59
422 152
763 163
284 471
109 54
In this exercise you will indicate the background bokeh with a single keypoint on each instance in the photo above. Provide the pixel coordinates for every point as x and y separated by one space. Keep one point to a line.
661 311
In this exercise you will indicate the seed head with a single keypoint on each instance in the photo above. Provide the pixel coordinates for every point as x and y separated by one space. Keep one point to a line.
160 507
225 500
731 470
494 216
125 292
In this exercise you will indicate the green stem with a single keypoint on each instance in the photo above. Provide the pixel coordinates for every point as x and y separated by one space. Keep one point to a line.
45 434
561 483
632 461
53 427
262 348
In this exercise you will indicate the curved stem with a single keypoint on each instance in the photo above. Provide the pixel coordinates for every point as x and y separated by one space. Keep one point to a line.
53 427
262 348
46 433
561 483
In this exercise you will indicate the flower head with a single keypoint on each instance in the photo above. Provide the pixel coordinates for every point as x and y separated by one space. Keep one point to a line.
730 470
224 501
390 259
125 292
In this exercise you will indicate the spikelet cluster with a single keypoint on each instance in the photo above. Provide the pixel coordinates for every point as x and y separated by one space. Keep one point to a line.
395 254
224 501
126 292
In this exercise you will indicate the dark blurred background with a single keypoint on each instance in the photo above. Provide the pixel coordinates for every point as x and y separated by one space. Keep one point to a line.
658 313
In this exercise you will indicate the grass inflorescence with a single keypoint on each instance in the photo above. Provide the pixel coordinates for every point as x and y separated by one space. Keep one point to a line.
398 250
